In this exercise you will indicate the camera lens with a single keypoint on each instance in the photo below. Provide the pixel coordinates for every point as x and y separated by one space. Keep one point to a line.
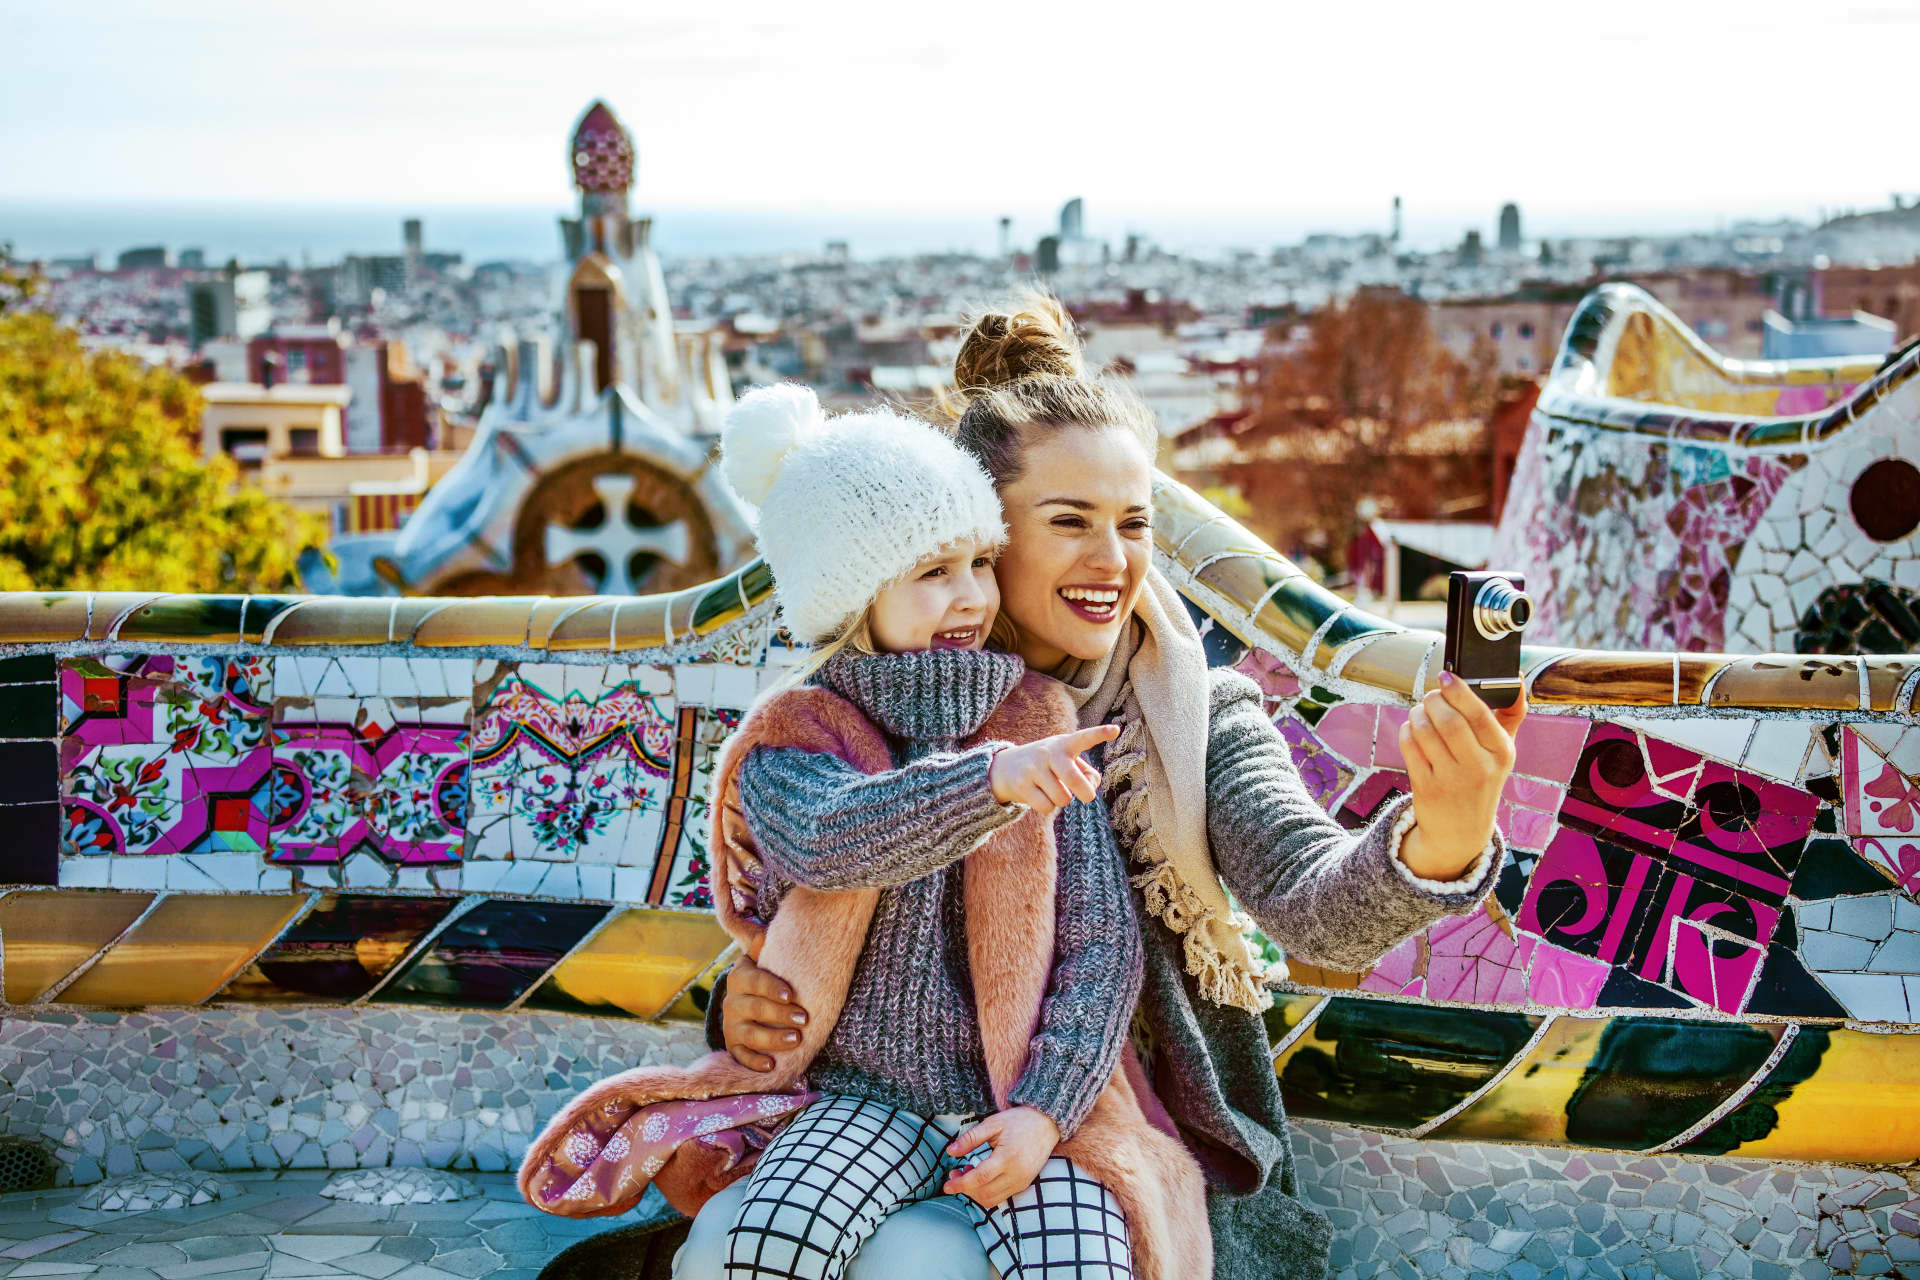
1500 609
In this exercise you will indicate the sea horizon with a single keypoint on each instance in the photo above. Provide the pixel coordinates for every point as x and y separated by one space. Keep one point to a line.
316 234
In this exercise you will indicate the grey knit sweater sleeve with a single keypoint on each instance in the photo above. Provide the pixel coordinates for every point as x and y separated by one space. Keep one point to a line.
1097 967
1334 897
822 823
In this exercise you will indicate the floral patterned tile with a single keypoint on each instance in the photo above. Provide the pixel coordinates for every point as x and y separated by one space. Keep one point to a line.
166 754
571 765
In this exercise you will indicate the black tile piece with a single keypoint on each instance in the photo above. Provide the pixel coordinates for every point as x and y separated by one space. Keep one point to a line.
28 774
1652 1078
30 845
28 668
487 957
1785 987
1830 868
28 710
1378 1063
1624 991
1759 1114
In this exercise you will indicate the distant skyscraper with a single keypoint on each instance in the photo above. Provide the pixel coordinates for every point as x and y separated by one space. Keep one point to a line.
1509 228
1070 220
193 259
1470 250
1006 235
1047 254
154 255
413 236
1396 220
235 305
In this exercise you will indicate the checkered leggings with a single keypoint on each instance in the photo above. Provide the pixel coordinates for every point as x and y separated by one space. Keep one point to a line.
842 1165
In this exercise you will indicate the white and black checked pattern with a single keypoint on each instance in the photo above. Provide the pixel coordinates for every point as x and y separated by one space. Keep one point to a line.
842 1165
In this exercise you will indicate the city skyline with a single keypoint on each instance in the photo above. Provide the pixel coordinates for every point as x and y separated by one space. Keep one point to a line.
1013 112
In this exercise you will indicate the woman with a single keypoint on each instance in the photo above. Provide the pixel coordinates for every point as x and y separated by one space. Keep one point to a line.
1205 799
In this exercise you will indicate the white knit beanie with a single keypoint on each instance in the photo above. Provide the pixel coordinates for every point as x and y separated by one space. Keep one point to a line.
850 504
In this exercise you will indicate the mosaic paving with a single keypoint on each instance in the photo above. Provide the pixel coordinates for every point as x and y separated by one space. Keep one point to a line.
1447 1210
280 1224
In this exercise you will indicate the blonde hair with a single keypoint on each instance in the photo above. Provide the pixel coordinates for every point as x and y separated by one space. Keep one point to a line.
1022 369
856 636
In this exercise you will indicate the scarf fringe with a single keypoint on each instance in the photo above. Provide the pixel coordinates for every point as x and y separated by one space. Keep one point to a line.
1230 973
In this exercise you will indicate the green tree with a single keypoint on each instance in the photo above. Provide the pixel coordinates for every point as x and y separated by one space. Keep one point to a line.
18 283
102 486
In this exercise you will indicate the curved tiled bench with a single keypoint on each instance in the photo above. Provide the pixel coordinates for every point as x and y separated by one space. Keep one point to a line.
1737 814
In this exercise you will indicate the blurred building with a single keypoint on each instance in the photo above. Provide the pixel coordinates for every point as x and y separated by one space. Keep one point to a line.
234 305
146 258
1509 228
1819 337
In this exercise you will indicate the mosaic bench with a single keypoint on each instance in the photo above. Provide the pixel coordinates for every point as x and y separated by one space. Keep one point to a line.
1708 940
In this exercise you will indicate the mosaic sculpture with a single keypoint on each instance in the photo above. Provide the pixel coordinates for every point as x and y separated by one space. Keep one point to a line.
1669 498
588 470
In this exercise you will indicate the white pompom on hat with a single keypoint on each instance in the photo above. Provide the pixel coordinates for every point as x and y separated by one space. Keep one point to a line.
848 505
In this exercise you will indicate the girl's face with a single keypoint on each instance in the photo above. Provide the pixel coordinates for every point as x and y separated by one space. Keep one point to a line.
1081 539
948 601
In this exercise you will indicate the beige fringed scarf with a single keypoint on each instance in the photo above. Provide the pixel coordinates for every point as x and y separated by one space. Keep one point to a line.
1154 685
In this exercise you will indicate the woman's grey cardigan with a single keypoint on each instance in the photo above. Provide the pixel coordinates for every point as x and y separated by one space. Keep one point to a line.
1324 894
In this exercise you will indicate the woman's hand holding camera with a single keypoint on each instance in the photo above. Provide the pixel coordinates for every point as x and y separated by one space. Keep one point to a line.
1459 752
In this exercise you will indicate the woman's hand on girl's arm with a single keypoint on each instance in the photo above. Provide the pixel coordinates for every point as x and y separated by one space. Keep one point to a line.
1459 752
1023 1138
758 1016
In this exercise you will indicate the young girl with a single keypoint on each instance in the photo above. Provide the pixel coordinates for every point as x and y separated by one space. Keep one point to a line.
938 884
881 536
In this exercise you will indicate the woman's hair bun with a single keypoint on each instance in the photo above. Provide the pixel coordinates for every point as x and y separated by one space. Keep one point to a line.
1035 339
758 434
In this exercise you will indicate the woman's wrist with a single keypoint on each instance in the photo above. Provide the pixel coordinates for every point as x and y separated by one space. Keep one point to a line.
1419 855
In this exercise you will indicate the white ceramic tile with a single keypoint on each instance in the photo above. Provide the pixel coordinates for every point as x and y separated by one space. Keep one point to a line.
596 882
693 684
735 687
1722 739
85 872
138 872
1778 749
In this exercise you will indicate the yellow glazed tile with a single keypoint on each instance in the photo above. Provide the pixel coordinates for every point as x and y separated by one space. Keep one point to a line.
641 623
691 1005
1295 611
1246 580
189 619
1885 676
29 617
641 962
109 607
332 620
46 936
588 629
479 621
410 611
1789 680
1530 1102
185 951
1696 672
1604 678
1300 973
549 613
1392 661
680 610
1860 1106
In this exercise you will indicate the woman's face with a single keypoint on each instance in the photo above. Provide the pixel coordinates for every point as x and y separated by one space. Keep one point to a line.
1080 540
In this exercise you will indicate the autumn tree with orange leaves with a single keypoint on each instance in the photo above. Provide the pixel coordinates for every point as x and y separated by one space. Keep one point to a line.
1359 400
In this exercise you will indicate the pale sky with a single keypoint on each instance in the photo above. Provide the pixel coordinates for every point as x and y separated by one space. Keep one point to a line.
1618 107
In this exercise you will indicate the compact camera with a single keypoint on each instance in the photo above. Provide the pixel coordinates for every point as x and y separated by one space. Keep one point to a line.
1486 612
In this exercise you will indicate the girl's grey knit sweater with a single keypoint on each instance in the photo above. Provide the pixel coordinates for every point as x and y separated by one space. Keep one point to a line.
909 1035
